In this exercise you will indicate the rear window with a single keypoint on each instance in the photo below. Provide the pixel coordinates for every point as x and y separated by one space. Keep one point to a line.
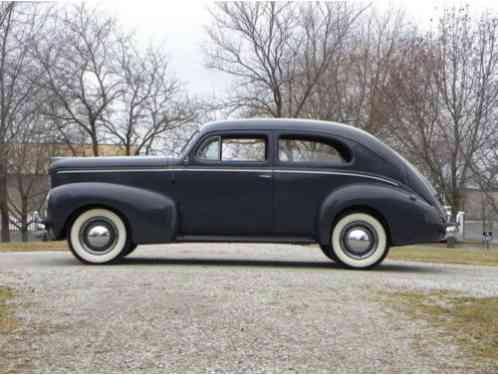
243 149
297 149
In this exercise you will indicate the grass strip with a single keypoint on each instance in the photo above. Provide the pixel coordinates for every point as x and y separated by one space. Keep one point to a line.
469 322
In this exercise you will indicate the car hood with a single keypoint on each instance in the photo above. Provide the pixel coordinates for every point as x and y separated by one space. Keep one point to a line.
112 162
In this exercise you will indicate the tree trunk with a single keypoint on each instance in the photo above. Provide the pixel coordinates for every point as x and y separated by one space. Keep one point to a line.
4 213
95 147
95 143
24 228
24 220
4 207
456 203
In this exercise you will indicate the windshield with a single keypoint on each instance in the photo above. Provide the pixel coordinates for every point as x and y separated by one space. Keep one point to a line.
184 148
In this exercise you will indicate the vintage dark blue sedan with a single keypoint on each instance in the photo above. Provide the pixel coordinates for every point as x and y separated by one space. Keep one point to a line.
260 180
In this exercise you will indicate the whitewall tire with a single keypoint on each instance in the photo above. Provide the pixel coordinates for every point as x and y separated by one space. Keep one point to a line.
98 236
359 241
130 249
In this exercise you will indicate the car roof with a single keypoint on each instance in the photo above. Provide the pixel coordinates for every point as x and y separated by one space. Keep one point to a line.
326 127
332 128
278 124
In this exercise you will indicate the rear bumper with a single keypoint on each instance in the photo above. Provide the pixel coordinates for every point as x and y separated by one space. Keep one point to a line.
451 232
451 228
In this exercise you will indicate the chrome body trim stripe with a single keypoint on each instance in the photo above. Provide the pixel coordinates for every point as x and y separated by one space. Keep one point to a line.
256 170
337 173
113 170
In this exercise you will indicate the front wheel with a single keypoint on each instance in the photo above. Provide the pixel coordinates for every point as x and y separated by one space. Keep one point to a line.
129 250
359 241
98 236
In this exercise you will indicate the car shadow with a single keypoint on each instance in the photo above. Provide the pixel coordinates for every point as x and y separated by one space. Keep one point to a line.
261 263
139 261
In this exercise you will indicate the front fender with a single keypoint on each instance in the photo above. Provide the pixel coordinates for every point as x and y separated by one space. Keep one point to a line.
151 217
409 219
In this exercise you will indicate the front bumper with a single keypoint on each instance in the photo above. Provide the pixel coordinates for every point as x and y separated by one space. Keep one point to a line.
44 228
44 234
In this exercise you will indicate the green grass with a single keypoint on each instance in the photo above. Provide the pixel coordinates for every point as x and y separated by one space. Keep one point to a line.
469 322
33 246
471 254
6 321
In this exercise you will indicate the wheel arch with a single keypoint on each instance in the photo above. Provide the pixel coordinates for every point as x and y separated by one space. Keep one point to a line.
150 217
78 211
387 204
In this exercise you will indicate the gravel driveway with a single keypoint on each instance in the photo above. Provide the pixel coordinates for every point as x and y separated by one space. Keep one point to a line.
224 308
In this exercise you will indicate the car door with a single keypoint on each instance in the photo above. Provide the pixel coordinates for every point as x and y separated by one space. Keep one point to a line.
226 187
307 168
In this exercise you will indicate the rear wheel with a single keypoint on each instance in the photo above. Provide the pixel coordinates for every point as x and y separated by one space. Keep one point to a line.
328 252
359 241
98 236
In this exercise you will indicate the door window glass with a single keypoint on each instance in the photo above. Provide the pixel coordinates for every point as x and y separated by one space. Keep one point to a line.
243 149
210 150
296 149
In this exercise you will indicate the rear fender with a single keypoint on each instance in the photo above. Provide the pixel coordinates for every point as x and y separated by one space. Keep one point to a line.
402 216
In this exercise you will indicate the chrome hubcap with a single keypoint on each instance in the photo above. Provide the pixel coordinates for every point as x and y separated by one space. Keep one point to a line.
358 240
98 235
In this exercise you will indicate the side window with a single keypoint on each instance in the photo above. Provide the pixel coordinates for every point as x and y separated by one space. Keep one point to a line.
210 149
303 149
243 149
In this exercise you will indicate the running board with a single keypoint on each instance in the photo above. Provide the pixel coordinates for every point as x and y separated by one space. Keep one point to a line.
256 239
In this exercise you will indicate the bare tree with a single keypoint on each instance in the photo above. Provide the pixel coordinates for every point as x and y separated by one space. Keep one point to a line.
278 52
6 15
444 92
20 25
6 10
79 57
152 101
29 154
352 89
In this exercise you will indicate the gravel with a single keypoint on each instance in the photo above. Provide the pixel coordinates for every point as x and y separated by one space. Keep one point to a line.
225 308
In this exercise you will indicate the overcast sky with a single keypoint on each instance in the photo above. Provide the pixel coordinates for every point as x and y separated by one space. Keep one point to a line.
181 25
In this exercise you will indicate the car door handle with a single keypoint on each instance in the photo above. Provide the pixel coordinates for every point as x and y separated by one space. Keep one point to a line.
264 175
